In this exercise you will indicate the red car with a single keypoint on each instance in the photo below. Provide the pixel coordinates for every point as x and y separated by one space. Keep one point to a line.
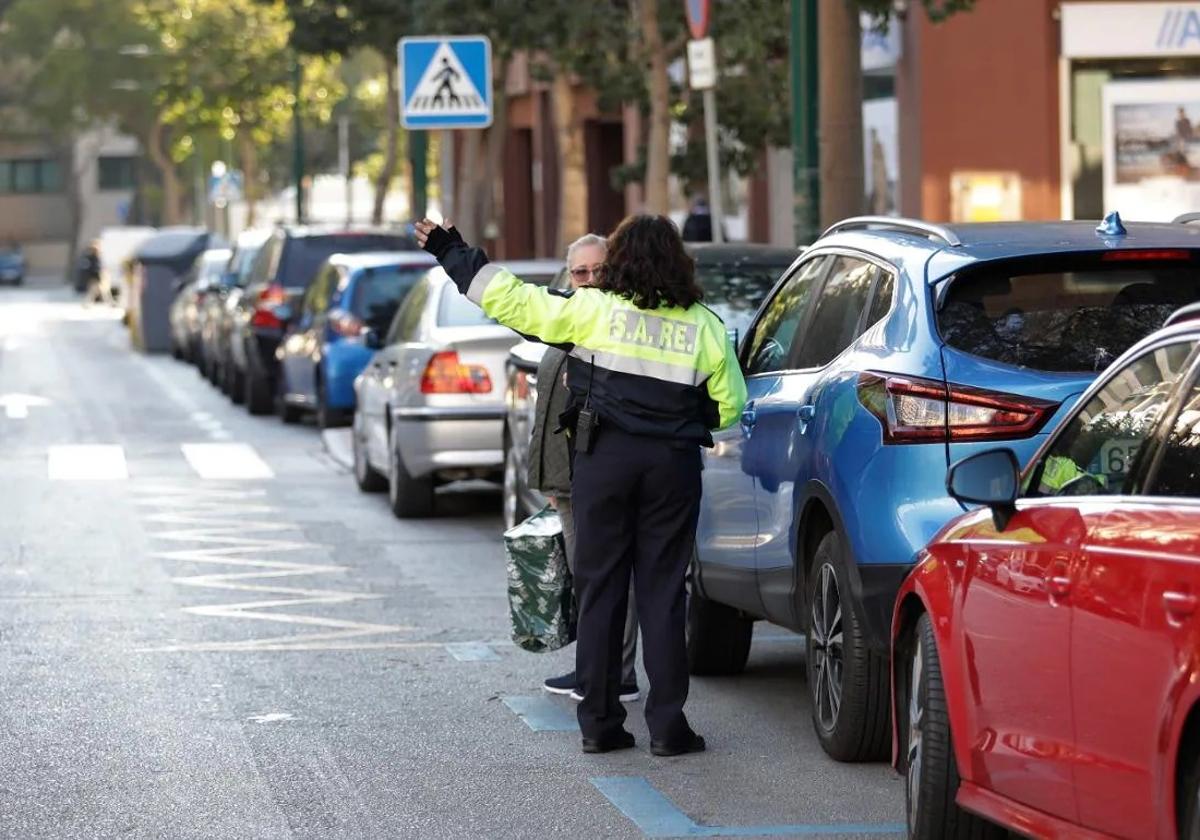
1046 649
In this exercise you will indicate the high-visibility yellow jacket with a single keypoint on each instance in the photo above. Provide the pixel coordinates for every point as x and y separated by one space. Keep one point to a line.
668 372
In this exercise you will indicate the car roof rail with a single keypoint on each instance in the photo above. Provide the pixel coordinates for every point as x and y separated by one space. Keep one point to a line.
1186 219
897 224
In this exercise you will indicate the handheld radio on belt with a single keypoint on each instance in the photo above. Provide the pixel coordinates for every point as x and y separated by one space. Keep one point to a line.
587 424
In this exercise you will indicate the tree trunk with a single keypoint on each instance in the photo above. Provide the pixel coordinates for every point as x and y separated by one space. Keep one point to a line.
384 181
572 165
172 188
249 155
68 162
658 153
840 111
493 175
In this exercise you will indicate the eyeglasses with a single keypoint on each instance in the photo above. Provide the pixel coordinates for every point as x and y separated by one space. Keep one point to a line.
581 272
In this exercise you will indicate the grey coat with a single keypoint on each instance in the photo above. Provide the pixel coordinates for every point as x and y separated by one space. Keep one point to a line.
549 458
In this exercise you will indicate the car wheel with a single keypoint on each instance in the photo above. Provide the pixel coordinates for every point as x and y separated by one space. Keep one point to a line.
288 413
410 497
847 681
514 507
931 773
327 418
259 396
718 636
237 385
369 479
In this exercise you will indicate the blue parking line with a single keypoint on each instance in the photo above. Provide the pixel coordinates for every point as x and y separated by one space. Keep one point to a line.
472 652
541 714
657 816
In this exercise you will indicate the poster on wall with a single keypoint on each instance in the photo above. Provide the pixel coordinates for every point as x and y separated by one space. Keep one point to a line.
1152 148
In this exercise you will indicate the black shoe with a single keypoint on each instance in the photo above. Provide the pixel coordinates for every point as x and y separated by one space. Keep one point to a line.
696 744
561 685
621 741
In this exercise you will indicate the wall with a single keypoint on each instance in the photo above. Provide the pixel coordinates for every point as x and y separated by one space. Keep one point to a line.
979 92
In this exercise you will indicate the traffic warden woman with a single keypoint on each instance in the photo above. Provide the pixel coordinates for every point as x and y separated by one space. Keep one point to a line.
651 372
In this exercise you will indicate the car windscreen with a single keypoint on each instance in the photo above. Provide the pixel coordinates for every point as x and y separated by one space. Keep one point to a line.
454 310
1064 314
303 255
243 258
378 293
734 290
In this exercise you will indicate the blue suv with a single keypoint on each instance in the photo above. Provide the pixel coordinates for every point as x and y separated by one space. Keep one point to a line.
889 350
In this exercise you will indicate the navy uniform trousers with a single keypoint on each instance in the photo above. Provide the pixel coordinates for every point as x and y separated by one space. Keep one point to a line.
636 502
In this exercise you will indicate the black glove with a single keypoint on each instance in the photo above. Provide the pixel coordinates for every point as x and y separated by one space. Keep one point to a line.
440 241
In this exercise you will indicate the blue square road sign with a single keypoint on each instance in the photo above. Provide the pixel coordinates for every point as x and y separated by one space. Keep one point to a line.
446 82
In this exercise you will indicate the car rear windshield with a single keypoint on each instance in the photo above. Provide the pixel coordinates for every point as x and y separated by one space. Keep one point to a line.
735 290
303 255
1063 315
454 310
378 293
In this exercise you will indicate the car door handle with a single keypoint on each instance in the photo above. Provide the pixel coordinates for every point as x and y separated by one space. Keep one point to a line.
1179 605
749 416
804 416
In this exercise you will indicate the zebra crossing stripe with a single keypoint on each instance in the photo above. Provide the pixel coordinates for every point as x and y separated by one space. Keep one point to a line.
86 462
226 461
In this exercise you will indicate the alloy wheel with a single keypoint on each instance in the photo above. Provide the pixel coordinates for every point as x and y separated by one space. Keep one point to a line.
511 499
360 457
916 734
826 630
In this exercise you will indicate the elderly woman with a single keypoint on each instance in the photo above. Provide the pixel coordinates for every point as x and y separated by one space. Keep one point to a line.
550 460
651 372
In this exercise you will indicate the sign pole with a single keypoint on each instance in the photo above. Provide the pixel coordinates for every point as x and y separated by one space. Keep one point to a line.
714 166
446 173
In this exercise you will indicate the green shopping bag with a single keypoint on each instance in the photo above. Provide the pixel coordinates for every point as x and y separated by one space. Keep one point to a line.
541 602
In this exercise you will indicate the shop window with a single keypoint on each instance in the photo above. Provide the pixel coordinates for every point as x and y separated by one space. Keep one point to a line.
30 176
116 173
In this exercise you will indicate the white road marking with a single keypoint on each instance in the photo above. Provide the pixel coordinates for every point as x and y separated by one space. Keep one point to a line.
16 406
86 463
226 461
271 717
233 528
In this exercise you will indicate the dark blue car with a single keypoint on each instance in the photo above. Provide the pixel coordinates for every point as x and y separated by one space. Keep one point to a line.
352 298
890 350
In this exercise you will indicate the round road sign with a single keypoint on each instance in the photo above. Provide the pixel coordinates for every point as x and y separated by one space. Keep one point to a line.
697 16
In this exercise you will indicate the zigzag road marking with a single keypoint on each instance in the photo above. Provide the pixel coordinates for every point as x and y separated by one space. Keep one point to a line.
216 519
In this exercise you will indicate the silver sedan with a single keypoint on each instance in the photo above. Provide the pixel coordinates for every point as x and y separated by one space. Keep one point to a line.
430 405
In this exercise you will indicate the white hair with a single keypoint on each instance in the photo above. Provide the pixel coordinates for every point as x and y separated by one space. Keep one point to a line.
584 241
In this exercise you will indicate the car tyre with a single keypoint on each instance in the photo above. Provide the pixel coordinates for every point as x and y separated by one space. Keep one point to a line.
409 497
236 384
848 683
259 396
718 636
368 479
328 418
931 772
514 507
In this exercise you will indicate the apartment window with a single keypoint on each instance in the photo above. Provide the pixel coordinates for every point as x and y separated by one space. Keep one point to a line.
116 173
30 175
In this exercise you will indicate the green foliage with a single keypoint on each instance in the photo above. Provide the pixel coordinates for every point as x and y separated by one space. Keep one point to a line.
938 10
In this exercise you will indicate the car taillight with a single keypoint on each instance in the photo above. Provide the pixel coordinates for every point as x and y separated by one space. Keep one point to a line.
521 385
1146 254
264 307
915 410
344 323
445 374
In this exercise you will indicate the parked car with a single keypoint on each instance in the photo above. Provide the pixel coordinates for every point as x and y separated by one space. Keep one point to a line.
193 288
219 307
735 279
1045 668
353 297
12 264
890 350
282 271
430 406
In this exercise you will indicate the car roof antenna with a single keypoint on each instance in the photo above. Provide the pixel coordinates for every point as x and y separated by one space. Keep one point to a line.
1112 225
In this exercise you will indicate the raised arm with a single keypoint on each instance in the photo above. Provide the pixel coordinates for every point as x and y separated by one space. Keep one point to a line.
527 308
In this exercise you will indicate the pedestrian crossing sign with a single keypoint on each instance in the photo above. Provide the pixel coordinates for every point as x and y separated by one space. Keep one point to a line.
446 82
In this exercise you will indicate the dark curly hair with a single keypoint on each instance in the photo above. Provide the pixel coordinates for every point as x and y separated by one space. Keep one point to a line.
646 264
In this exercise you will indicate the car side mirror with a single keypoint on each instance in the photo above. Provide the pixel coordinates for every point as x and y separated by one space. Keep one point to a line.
989 478
371 338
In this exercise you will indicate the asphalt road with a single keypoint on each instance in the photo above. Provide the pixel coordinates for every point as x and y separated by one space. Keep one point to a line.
207 631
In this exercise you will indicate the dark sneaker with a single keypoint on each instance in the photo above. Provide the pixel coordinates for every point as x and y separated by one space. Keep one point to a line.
629 694
694 745
561 685
621 741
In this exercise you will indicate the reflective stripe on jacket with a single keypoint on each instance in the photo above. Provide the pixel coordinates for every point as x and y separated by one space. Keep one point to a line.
668 372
